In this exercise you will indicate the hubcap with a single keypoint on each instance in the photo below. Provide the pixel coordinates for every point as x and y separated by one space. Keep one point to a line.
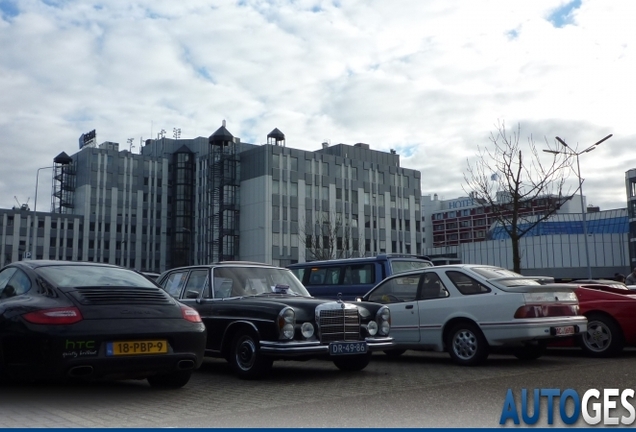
598 336
246 354
465 344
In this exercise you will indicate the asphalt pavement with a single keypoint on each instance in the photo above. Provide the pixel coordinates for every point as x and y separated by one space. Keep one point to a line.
418 389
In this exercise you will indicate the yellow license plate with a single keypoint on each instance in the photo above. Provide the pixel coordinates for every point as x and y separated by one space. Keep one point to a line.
136 347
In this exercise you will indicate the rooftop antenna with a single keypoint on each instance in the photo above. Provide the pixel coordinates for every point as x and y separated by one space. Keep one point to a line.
130 144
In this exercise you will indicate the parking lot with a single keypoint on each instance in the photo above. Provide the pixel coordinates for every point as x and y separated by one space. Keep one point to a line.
417 390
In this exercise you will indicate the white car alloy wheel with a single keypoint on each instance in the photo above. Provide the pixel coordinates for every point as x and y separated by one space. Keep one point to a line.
466 344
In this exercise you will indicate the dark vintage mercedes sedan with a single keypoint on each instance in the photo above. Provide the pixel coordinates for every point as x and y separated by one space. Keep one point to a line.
65 320
256 313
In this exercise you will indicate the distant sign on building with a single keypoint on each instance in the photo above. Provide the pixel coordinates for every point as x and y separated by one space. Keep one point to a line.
459 203
87 139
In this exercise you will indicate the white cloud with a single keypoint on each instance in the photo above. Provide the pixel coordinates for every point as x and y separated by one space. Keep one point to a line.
431 77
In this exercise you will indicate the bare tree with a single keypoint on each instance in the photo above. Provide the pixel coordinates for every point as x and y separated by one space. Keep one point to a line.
330 236
509 186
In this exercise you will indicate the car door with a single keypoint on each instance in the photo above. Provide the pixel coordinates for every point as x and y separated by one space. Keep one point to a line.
399 294
433 309
192 284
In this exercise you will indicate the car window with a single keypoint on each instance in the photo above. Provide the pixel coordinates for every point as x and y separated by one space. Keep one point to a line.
93 276
465 284
222 287
396 290
173 284
5 275
432 287
196 283
405 266
242 281
324 276
18 284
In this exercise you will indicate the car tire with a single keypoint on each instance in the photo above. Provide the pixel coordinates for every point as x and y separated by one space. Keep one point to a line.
604 337
171 380
466 344
395 353
246 358
530 351
352 363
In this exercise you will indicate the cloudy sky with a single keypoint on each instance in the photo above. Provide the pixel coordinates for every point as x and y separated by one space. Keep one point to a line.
428 78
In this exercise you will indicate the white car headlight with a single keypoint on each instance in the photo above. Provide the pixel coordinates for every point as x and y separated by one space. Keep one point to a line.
384 314
372 328
287 323
383 319
385 328
307 330
288 315
288 331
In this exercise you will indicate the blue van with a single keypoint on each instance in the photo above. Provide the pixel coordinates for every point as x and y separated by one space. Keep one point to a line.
353 277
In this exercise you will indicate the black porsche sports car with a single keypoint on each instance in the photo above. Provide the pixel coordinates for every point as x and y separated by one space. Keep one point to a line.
63 319
256 313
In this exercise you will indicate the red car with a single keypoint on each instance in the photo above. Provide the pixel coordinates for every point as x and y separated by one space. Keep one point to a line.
610 308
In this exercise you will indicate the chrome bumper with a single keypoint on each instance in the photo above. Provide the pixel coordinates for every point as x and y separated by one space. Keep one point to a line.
300 348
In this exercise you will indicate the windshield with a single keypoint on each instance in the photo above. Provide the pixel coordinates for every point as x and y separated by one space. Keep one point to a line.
93 276
504 276
245 281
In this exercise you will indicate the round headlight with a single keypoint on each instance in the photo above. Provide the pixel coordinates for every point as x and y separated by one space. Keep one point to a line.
288 331
384 313
385 327
289 315
307 330
372 328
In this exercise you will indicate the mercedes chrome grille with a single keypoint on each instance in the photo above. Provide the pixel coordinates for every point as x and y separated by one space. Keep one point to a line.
338 322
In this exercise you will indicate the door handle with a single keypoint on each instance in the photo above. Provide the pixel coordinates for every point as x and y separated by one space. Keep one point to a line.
408 307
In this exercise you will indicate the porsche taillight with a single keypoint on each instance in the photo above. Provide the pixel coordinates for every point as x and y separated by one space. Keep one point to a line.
190 314
57 316
549 310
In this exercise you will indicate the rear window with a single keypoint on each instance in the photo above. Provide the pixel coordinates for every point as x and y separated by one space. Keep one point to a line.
93 276
405 266
504 276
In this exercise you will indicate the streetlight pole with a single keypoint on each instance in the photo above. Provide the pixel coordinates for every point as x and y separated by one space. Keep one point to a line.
571 152
32 247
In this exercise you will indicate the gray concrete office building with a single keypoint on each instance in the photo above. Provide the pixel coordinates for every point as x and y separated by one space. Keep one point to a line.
200 200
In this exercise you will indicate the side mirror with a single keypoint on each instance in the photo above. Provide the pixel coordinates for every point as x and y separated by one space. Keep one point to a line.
358 299
191 294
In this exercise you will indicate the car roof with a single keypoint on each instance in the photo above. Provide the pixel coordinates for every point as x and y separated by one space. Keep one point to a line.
44 263
381 257
227 264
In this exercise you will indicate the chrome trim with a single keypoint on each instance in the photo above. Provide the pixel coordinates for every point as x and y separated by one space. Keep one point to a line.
294 348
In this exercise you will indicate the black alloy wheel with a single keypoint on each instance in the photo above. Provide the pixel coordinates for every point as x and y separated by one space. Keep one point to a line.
246 358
